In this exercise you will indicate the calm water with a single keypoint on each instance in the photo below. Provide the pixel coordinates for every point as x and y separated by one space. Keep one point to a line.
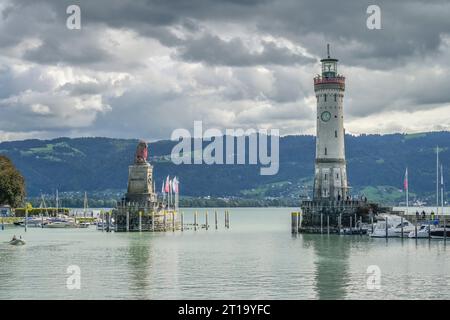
257 258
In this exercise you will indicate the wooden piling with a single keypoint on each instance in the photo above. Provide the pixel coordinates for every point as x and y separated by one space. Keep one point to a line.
128 220
140 221
340 222
300 220
386 227
206 220
415 228
165 220
153 220
371 223
215 218
173 221
360 225
182 220
328 224
351 225
321 223
445 229
195 220
401 223
294 222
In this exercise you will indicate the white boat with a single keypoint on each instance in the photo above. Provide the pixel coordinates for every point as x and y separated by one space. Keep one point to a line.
391 227
60 224
422 231
439 232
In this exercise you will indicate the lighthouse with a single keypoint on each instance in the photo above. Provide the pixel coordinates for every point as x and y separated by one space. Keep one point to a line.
331 210
330 178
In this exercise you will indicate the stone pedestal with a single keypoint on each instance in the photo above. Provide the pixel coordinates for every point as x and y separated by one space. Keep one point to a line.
140 184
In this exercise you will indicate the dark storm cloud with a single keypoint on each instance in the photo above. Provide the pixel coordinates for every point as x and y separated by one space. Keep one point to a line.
149 65
215 51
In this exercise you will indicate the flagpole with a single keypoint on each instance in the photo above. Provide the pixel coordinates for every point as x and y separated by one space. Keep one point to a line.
437 180
407 191
442 190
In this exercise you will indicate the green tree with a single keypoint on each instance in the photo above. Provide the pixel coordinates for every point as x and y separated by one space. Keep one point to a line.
12 183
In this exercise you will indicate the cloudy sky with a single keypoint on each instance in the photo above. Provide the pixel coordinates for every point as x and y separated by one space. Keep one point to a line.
141 68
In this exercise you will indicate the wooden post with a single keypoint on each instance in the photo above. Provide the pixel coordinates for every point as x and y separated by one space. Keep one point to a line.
360 225
128 220
26 217
328 224
140 221
340 222
321 223
173 221
195 220
165 220
300 220
351 223
206 219
371 223
153 220
386 227
415 227
3 223
182 220
401 223
228 219
294 222
445 229
215 218
429 226
225 215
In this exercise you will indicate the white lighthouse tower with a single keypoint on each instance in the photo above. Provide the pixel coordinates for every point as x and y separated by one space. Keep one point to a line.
330 180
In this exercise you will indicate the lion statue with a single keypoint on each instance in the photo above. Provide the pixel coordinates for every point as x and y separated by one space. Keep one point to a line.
141 153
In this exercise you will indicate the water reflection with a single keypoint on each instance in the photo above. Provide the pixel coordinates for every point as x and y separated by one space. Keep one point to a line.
140 263
331 262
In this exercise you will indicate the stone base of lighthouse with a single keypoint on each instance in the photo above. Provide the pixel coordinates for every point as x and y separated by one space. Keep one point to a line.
323 216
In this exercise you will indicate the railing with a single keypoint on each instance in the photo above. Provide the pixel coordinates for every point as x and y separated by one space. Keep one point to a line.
324 80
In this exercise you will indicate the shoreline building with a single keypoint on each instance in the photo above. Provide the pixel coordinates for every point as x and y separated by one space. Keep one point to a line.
140 209
332 206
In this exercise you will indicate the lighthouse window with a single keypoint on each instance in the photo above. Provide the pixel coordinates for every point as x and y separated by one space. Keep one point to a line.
335 96
335 133
325 97
337 175
326 151
325 178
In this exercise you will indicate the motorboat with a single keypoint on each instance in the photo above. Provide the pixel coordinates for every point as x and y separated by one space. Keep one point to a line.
440 232
60 224
422 232
83 225
31 222
407 227
391 227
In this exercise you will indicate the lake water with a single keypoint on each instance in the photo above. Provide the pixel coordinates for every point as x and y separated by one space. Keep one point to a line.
257 258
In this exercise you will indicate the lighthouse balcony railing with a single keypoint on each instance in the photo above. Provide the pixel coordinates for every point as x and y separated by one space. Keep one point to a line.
324 80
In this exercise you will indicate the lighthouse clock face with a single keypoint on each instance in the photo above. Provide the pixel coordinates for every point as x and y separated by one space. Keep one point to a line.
325 116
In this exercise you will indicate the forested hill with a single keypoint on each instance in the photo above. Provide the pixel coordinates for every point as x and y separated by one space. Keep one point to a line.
376 166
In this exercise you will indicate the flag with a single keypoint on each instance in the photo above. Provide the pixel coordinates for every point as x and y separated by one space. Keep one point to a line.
405 182
175 185
162 188
167 186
